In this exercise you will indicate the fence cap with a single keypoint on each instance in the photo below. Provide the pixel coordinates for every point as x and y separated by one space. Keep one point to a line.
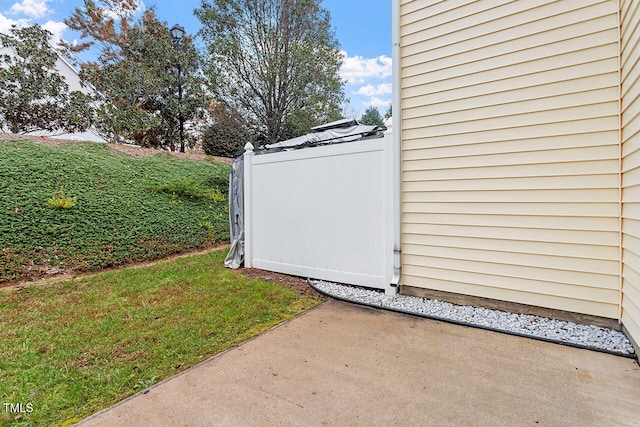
248 146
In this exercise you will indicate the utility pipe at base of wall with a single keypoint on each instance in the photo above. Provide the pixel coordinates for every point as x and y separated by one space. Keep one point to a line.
471 325
397 145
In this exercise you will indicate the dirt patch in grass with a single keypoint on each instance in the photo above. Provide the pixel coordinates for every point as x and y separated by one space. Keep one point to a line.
294 282
68 275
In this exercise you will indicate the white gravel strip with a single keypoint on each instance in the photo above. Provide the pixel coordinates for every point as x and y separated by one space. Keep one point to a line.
526 324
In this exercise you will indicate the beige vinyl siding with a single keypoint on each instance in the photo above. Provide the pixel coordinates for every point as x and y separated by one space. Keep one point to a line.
630 75
511 155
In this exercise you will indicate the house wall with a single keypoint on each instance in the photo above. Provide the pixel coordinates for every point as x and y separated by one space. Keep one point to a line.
510 151
630 107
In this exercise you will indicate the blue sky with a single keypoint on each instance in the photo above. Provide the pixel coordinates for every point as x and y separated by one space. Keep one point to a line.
363 28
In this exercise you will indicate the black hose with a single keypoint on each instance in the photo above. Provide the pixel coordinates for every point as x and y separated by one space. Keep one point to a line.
472 325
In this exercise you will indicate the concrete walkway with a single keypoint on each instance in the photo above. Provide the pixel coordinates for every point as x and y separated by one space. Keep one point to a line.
344 365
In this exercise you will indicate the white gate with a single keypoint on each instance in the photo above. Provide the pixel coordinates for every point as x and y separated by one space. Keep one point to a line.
322 212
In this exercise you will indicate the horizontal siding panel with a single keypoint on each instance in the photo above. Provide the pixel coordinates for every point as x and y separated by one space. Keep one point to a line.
551 209
506 294
519 31
524 23
439 14
434 7
631 159
514 133
594 167
456 12
496 232
517 196
631 243
631 296
413 150
527 158
628 137
631 228
427 127
630 146
516 221
630 43
631 194
630 316
525 113
609 181
631 177
631 307
517 246
594 44
630 88
631 210
631 259
469 87
512 14
539 105
631 133
442 12
629 13
416 253
504 79
630 122
434 104
521 279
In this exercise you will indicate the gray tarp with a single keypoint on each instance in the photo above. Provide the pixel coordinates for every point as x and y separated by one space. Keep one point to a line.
235 257
330 136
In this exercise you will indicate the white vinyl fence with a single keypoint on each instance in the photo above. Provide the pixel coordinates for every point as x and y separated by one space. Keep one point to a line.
322 212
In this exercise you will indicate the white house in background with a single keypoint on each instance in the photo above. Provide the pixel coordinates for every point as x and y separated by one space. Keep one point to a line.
72 78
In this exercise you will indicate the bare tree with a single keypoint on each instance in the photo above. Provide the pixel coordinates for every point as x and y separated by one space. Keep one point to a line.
274 63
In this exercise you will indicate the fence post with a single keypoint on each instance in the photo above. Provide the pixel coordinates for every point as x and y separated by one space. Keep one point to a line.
248 213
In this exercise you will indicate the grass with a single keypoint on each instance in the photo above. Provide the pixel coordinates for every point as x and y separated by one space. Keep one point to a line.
71 348
84 206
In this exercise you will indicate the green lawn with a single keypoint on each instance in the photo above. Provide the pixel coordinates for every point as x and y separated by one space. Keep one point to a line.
71 348
84 206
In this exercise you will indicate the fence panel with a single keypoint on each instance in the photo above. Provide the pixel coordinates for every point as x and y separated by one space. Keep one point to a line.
322 212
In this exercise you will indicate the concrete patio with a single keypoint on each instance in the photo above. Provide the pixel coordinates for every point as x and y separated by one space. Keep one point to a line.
342 364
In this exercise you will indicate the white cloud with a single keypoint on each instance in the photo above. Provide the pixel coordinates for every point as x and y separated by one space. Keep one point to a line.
357 69
57 29
31 8
7 23
377 102
373 90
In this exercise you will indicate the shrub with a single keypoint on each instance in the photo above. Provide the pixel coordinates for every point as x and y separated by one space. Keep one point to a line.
227 136
60 201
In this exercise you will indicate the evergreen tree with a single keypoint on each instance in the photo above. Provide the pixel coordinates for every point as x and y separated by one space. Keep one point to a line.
33 94
136 73
372 117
